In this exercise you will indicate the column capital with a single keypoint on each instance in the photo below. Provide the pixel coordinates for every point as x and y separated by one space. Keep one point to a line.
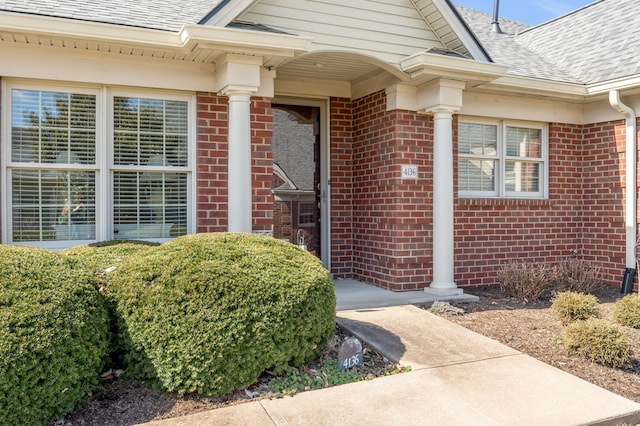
441 95
241 73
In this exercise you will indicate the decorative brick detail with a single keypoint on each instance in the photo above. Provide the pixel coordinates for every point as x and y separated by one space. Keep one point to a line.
211 157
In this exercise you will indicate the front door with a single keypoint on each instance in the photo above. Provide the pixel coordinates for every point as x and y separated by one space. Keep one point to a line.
300 181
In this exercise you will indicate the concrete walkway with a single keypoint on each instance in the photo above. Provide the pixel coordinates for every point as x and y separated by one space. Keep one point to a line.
458 377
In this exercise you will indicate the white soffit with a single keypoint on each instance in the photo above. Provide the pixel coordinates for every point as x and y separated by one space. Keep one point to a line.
193 43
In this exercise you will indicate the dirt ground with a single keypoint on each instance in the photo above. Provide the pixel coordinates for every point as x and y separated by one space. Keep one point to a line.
533 330
529 328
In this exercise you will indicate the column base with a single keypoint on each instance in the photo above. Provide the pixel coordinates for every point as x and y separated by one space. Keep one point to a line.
444 292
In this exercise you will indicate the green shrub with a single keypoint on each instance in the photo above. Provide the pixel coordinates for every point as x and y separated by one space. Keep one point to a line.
97 259
53 336
627 311
526 281
599 340
570 306
578 275
208 313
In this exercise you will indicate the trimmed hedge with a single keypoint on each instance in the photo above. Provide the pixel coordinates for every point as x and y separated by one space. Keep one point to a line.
598 340
627 311
53 336
570 306
208 313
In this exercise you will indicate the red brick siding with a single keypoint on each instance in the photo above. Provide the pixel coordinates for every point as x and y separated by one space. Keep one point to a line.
341 164
212 149
391 216
604 182
262 163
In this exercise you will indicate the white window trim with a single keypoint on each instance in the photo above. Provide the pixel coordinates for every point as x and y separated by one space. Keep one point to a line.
104 155
501 192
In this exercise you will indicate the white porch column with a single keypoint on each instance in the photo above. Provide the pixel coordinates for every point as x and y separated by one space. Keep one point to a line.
239 174
239 77
443 283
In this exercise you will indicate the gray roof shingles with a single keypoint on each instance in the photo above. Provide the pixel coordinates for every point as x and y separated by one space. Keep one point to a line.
154 14
596 43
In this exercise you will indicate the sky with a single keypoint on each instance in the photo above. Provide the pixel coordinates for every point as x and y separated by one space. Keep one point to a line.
532 12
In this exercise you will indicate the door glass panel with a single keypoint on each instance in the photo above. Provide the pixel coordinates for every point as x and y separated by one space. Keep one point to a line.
296 152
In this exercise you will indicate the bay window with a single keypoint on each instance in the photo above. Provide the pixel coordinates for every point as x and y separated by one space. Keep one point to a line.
502 159
82 165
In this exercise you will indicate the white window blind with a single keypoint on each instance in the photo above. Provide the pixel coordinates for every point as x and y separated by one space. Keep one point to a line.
496 159
52 168
150 172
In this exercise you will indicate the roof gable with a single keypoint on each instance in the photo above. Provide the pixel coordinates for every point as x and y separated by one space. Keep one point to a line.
386 29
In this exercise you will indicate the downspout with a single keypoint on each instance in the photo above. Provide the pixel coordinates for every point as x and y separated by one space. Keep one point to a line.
630 204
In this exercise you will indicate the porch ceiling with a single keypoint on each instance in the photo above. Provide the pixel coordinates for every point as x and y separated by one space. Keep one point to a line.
336 66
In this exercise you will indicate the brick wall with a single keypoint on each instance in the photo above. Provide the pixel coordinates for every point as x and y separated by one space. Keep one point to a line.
341 163
391 216
604 182
212 148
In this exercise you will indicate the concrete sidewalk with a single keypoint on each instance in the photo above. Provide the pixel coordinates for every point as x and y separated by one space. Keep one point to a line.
458 377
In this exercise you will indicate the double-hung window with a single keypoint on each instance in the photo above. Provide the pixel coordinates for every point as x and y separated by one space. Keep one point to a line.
498 159
83 165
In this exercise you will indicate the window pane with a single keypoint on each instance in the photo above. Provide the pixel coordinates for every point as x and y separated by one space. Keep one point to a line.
523 142
149 204
477 139
53 205
150 132
522 176
476 175
52 127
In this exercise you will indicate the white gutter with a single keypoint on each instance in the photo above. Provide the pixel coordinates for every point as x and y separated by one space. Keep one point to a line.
631 146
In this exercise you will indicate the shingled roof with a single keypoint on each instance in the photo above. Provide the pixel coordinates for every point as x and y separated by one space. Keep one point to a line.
154 14
596 43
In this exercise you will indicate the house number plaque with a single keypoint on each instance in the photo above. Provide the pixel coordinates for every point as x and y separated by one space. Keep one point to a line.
409 172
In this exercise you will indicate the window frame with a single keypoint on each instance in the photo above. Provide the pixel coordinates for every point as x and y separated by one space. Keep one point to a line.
104 158
502 158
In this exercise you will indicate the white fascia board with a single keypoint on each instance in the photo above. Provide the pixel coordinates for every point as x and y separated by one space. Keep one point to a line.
189 38
255 42
524 85
94 31
461 30
422 64
625 83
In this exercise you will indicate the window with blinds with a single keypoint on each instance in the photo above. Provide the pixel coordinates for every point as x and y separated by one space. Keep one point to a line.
85 164
497 159
150 175
52 167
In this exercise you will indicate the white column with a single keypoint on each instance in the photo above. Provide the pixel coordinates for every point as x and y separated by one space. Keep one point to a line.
443 283
239 175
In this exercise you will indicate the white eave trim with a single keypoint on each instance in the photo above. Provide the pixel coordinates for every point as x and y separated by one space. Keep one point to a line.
254 41
189 38
620 84
533 86
429 64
